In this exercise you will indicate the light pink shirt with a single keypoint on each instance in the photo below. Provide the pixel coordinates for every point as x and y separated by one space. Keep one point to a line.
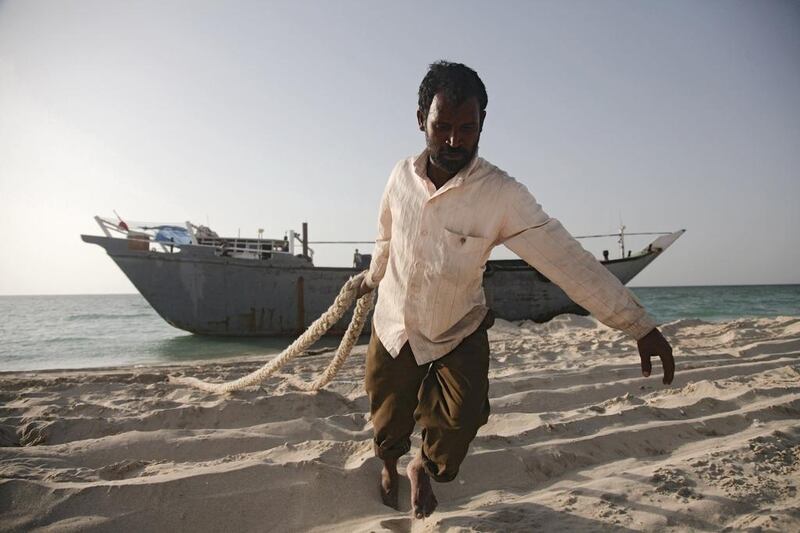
432 246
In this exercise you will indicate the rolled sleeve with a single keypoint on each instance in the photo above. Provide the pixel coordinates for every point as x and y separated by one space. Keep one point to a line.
544 244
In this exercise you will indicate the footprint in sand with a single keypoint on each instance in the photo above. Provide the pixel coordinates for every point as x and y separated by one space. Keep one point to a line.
122 470
397 525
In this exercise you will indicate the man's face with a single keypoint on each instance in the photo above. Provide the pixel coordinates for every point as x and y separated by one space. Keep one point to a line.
452 132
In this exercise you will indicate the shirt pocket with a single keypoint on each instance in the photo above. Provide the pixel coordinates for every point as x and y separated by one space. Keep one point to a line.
464 244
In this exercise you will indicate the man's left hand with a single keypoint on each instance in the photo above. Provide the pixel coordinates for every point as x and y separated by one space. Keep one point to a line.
652 344
363 288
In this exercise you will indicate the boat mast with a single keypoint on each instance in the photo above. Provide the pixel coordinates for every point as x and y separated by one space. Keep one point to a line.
305 239
622 239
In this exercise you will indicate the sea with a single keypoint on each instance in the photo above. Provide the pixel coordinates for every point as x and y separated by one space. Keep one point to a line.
90 331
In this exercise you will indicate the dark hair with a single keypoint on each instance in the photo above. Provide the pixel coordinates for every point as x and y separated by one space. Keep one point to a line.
458 81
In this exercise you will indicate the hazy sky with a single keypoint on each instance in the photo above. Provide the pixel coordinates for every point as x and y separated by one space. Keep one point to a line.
255 115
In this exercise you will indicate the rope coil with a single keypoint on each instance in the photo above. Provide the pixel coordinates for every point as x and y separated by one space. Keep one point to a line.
344 300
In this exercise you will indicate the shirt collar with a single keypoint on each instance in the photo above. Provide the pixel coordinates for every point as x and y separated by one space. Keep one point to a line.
421 168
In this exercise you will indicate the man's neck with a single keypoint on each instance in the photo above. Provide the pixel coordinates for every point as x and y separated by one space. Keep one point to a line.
438 176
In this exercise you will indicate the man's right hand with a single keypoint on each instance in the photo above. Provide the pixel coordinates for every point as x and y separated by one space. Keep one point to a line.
363 288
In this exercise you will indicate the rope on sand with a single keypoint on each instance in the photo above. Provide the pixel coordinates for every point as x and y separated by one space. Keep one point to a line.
320 326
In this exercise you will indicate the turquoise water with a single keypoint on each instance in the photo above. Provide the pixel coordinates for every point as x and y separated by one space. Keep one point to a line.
39 332
720 302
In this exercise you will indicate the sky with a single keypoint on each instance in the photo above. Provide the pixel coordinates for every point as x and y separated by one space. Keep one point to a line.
248 115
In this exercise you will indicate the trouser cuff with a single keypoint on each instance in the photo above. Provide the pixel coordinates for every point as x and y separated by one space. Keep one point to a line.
394 451
432 469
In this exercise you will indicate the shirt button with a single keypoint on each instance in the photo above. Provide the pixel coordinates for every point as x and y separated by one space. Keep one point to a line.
424 232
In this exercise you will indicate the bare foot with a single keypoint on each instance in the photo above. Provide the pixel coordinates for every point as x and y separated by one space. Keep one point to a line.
423 501
389 484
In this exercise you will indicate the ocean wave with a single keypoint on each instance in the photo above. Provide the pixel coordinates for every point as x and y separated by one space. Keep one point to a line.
107 316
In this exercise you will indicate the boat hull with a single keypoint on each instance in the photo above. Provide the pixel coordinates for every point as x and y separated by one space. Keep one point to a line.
515 291
198 291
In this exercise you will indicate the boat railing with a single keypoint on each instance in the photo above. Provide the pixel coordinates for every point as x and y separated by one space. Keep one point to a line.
246 248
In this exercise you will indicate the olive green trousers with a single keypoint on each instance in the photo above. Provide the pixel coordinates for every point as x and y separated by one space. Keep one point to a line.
448 397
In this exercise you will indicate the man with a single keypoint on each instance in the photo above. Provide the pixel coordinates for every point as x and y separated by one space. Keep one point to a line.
440 216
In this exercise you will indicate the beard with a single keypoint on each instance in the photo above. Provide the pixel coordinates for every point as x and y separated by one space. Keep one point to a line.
451 160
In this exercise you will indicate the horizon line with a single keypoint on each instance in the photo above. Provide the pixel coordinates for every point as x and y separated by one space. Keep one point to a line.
630 287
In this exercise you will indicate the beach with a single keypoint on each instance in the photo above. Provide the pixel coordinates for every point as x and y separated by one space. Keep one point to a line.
577 440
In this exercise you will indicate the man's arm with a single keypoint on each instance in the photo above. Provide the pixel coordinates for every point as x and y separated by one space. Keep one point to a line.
544 244
380 255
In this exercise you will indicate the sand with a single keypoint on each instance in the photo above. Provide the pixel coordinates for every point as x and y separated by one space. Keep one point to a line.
577 441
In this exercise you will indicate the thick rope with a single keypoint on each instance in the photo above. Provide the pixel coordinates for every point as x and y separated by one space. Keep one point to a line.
320 326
